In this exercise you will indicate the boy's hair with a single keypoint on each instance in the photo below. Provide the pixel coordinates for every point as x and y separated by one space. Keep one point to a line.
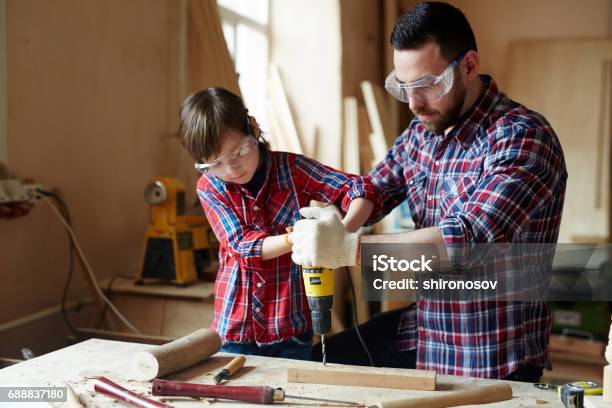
206 116
440 22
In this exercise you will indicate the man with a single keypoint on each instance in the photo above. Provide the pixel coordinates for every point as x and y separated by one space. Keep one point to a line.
473 167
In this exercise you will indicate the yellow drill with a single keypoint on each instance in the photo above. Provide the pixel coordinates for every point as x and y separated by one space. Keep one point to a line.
319 285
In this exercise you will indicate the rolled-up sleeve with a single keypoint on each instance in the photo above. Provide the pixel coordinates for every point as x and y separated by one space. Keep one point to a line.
389 179
523 170
231 232
326 184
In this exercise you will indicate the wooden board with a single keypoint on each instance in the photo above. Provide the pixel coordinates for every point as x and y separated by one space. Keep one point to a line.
209 61
281 111
378 116
397 378
76 363
350 154
570 83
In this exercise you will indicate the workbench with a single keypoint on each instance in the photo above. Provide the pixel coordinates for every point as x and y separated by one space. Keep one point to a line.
95 357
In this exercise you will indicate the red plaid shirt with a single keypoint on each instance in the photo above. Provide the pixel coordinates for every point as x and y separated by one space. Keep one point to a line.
264 301
498 176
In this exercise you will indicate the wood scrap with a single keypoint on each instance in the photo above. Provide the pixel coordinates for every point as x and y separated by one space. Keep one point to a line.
176 355
358 376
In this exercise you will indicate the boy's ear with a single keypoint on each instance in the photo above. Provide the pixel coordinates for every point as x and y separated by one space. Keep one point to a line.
252 128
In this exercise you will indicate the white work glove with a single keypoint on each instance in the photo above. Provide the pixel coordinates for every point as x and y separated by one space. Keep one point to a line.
320 239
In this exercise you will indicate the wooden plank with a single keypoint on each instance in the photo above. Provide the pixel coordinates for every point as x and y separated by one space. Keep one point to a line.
377 115
209 61
350 147
199 290
280 105
89 333
365 148
396 378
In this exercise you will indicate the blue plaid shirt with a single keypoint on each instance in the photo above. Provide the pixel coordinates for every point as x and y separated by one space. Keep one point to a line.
497 176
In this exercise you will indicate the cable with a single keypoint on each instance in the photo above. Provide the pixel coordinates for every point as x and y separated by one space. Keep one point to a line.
88 269
68 218
108 292
355 321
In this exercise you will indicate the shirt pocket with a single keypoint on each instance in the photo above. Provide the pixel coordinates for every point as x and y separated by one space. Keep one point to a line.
455 193
281 209
415 199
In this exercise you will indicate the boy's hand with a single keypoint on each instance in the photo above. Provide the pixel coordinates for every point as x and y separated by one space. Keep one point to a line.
320 239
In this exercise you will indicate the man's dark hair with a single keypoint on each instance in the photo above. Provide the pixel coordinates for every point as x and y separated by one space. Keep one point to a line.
434 21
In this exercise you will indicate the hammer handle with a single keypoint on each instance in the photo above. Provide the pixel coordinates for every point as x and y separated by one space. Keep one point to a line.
256 395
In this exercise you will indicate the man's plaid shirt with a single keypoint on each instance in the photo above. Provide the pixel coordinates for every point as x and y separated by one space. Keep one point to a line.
264 301
498 176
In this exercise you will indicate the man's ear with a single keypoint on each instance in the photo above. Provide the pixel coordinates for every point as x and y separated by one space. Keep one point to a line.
471 65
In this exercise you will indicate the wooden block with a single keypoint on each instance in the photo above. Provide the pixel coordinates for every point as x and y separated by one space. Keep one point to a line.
397 378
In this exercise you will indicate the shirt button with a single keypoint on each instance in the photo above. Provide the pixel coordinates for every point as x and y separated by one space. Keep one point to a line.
259 284
257 309
230 255
255 208
437 162
411 182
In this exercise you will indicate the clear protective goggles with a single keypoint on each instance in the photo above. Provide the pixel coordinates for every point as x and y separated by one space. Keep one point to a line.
429 89
234 160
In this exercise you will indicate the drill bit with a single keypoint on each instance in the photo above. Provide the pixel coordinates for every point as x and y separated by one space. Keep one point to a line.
323 349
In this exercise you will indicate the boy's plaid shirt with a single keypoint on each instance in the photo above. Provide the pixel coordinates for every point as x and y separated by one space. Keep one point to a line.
498 176
264 301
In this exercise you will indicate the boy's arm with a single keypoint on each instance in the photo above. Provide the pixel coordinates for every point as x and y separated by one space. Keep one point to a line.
253 247
358 213
275 246
325 184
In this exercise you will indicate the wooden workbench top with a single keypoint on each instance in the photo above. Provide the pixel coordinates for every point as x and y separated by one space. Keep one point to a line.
112 359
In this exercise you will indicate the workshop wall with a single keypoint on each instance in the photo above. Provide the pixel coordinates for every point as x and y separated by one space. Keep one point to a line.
92 112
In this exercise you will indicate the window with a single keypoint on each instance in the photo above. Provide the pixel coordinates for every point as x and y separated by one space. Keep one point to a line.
245 27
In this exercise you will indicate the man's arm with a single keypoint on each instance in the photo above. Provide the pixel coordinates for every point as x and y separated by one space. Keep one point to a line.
431 235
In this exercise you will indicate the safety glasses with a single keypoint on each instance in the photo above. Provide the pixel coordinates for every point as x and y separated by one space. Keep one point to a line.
429 89
222 166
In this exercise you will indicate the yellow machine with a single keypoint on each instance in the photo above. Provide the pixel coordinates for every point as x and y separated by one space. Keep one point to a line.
177 245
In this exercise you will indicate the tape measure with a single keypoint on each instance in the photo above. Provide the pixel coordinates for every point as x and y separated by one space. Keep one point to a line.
572 394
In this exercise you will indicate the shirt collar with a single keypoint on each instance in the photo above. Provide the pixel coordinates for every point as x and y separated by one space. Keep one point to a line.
469 123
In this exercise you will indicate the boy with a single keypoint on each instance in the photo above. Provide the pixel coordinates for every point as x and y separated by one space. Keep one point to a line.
250 195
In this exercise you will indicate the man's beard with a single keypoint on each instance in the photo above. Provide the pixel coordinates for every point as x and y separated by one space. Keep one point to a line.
453 114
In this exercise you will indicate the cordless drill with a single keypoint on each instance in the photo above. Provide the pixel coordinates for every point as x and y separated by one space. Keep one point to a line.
319 285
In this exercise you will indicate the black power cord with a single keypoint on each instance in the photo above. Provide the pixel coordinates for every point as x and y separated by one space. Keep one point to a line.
108 292
63 207
355 321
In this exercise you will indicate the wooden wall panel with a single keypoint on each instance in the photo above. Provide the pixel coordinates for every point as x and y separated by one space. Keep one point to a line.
570 83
